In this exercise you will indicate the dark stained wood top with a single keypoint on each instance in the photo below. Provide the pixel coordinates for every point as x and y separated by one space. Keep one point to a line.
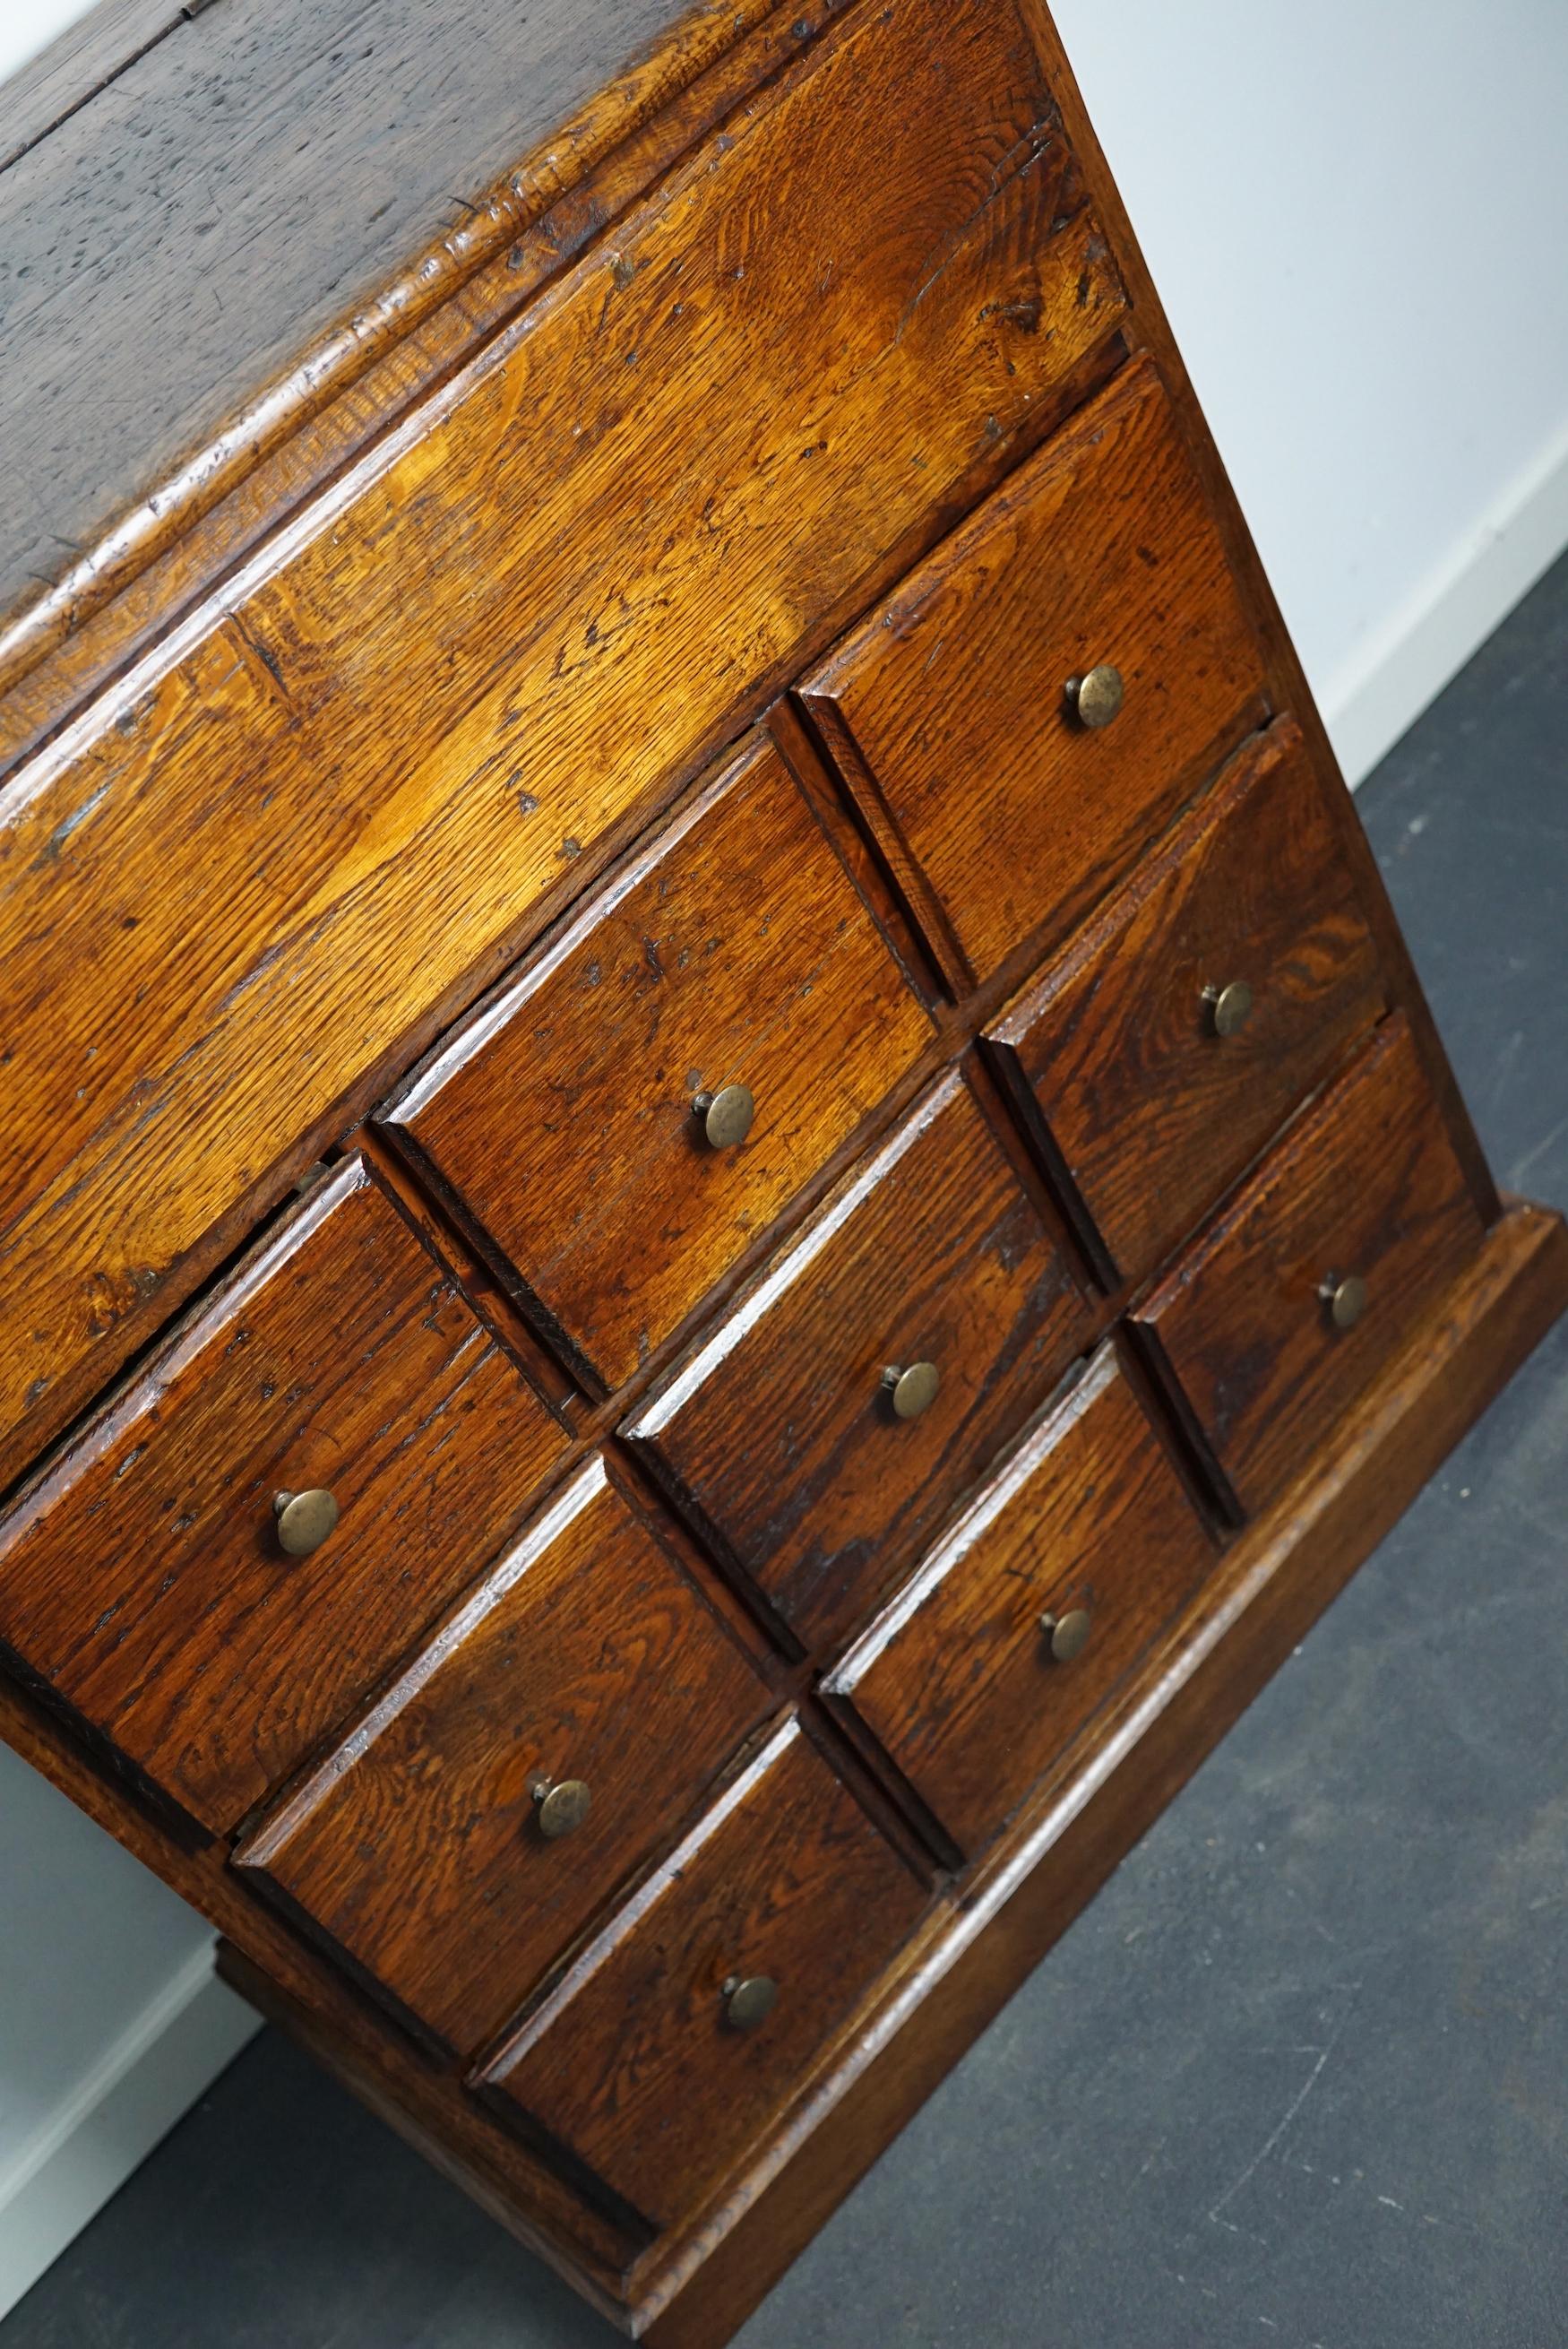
225 195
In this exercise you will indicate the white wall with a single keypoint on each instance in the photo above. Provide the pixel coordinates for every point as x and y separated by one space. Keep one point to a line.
28 26
111 2022
1355 213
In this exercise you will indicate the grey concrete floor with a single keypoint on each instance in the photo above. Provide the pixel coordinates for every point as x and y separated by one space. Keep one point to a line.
1300 2074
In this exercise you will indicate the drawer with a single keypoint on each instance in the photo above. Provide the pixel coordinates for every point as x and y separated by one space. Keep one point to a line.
546 1743
733 960
250 881
1032 1612
146 1578
681 2035
782 1434
1286 1309
1001 812
1180 1029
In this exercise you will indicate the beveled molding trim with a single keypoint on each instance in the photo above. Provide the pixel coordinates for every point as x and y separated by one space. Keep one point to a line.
740 42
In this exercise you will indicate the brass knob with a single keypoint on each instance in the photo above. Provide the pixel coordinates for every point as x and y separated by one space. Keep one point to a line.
912 1391
1068 1634
1095 698
304 1520
1230 1008
562 1805
725 1115
1345 1298
749 2002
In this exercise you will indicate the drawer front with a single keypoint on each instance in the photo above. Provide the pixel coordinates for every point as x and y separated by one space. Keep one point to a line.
1175 1035
327 801
734 953
980 1675
146 1578
1002 812
450 1845
1260 1328
660 2061
782 1433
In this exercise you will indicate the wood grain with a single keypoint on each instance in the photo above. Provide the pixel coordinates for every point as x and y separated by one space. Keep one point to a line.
1364 1183
295 828
632 2063
586 1655
1260 1602
734 949
1151 1113
141 1579
958 1681
227 194
288 440
1001 815
777 1433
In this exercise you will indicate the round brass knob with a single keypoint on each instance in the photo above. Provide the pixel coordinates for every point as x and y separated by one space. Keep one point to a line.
749 2002
304 1520
562 1807
1068 1634
725 1115
912 1391
1230 1008
1345 1298
1095 698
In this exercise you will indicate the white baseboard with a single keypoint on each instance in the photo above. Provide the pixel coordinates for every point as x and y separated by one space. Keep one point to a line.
89 2147
1408 660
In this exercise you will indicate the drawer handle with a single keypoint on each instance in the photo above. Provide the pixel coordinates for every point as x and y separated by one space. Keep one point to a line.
1345 1298
561 1805
1068 1634
912 1391
1230 1008
748 2000
1096 697
725 1115
304 1520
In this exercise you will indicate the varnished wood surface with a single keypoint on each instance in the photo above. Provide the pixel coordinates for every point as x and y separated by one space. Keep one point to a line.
226 195
1271 1586
632 2062
304 827
1004 816
778 1432
1365 1184
1152 1113
958 1681
142 1579
734 950
587 1654
290 438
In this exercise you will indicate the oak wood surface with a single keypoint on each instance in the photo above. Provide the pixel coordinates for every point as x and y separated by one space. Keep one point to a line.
226 194
632 2063
303 821
778 1433
141 1577
587 1654
734 949
958 1681
1263 1597
1003 815
1152 1113
1363 1184
285 441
